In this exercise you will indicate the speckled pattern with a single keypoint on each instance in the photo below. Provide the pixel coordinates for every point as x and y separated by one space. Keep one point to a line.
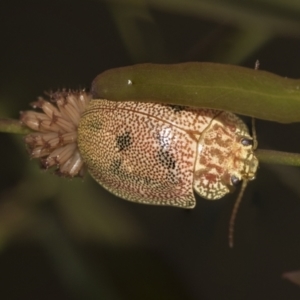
156 154
222 158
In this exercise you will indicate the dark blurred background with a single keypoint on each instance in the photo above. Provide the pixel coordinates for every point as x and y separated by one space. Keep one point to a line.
70 239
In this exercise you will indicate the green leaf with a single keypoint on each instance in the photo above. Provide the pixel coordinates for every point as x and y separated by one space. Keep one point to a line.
250 92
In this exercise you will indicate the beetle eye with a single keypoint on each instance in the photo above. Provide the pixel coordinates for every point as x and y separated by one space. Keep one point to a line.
235 180
246 142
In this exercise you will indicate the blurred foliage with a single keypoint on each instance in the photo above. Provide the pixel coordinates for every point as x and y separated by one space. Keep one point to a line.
70 239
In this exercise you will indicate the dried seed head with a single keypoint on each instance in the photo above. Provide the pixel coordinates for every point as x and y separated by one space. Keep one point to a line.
55 139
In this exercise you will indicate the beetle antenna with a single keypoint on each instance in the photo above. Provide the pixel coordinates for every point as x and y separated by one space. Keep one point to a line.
254 135
256 67
234 213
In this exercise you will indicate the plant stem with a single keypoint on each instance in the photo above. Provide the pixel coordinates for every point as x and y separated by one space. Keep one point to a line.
13 126
264 156
278 157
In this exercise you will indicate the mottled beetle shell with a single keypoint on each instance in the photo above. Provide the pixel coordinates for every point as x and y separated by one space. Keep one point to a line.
158 154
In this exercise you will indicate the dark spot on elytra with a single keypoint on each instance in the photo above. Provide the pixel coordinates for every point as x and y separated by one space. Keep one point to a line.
123 141
96 125
176 108
147 180
166 159
115 166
